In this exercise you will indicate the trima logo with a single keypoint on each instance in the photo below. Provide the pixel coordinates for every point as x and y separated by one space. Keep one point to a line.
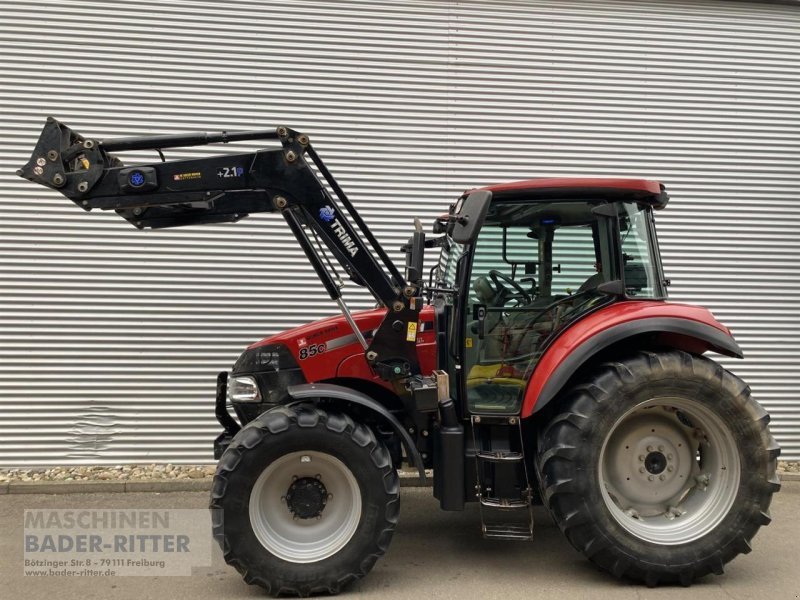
327 214
344 237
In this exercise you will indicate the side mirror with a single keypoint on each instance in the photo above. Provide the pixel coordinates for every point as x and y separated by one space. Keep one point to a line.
470 215
415 255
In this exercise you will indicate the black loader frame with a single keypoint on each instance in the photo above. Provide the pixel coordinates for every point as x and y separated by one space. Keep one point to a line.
221 189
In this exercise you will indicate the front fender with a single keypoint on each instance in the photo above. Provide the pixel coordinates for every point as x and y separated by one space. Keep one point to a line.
310 391
683 326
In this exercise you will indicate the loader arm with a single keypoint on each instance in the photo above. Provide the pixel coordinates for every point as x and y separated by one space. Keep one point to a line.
227 188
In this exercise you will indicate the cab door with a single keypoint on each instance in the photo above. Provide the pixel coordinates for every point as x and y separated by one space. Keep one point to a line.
535 268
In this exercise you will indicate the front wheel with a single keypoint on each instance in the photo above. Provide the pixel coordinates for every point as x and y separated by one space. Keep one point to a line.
304 501
659 467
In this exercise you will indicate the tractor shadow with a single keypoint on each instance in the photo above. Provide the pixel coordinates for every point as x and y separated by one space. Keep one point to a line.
436 553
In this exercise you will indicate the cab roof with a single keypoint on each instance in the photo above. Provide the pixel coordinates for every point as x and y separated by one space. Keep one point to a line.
582 188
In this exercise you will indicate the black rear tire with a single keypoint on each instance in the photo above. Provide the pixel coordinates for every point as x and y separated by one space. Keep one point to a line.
271 438
583 459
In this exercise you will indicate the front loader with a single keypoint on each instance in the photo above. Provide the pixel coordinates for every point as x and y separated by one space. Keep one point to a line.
539 363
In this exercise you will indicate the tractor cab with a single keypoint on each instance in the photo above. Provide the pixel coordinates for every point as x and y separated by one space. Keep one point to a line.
545 254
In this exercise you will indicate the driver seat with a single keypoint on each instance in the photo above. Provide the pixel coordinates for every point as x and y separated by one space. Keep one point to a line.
488 296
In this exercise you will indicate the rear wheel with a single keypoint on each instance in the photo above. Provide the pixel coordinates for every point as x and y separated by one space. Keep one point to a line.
660 467
306 501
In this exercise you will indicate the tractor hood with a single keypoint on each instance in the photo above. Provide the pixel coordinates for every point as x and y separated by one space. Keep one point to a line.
326 330
327 350
335 332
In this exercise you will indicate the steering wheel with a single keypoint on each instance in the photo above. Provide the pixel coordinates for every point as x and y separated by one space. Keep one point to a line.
557 319
496 276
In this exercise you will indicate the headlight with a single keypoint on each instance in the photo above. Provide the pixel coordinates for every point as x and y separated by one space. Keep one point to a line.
242 388
273 357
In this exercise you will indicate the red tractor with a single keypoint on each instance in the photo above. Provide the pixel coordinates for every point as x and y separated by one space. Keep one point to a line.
538 363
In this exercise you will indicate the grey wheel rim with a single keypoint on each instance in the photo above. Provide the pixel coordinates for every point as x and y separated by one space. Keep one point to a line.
669 470
305 540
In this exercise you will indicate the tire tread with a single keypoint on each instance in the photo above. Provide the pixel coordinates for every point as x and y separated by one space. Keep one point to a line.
277 421
563 438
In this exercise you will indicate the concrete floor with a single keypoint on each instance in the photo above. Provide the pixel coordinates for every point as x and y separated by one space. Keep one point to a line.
433 554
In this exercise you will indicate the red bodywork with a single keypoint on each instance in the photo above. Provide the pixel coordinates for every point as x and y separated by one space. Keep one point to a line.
345 357
592 183
342 355
605 318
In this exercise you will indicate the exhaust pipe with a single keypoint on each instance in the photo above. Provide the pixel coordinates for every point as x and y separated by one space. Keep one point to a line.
448 472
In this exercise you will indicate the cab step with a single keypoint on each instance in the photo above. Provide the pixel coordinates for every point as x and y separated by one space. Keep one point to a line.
508 531
502 488
504 503
500 456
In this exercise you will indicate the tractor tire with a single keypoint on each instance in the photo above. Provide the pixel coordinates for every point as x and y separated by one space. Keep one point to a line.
304 502
659 468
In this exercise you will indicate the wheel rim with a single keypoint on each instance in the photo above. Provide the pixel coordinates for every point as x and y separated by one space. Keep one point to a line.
309 538
669 470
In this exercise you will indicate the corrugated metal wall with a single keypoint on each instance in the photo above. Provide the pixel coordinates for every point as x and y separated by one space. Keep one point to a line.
110 337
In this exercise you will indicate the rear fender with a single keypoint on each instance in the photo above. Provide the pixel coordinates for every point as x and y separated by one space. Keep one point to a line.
314 391
685 327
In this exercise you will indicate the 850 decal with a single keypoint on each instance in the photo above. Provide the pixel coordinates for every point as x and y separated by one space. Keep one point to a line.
312 350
